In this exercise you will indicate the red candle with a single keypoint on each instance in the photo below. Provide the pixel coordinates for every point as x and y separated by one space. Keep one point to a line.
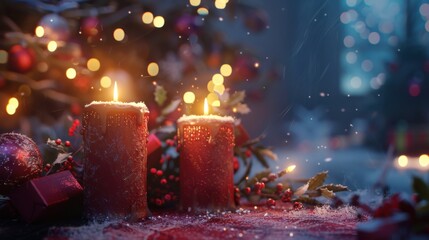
206 163
115 159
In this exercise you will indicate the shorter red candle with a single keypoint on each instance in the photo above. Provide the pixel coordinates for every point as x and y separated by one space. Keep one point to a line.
206 163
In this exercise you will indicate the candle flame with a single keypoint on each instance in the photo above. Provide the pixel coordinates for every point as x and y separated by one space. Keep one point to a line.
290 168
206 107
115 92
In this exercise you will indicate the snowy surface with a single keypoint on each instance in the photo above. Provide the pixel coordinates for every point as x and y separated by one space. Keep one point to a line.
118 104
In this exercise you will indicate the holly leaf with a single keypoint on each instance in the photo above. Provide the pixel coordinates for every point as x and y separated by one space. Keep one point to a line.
268 153
160 95
236 98
260 157
334 187
307 200
420 187
327 193
60 148
62 157
171 107
301 190
242 108
317 180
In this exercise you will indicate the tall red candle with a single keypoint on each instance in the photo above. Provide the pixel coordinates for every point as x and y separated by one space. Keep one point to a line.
206 163
115 160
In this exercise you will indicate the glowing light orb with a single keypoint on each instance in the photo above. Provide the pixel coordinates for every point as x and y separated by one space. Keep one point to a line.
105 82
153 69
158 21
226 70
93 64
189 97
39 31
52 46
147 17
195 3
71 73
424 160
402 161
217 79
119 34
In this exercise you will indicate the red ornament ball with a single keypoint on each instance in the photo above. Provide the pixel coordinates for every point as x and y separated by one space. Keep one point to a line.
91 26
20 59
20 161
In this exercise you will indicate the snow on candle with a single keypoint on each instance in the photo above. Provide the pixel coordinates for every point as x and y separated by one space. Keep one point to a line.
206 162
115 155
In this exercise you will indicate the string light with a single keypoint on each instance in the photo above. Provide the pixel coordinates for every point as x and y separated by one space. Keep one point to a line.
189 97
158 21
119 34
226 70
217 79
93 64
195 3
153 69
12 105
52 46
105 82
71 73
39 31
402 161
147 17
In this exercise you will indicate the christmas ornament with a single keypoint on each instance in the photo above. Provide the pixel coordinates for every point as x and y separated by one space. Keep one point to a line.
20 161
20 59
55 27
91 26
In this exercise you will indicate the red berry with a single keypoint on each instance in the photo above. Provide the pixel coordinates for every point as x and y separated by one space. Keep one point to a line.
287 195
69 159
169 142
247 190
69 167
271 202
171 177
258 192
297 205
48 165
67 144
236 164
158 202
248 153
176 179
237 190
258 186
272 176
76 122
167 197
58 141
279 187
161 161
163 181
159 173
153 170
262 185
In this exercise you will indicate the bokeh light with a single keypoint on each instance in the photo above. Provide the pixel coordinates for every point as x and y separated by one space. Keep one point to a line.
211 97
210 86
3 56
424 160
226 70
189 97
119 34
147 17
71 73
105 82
402 161
93 64
219 89
203 11
39 31
10 110
158 21
52 46
220 4
217 79
195 3
12 105
216 103
153 69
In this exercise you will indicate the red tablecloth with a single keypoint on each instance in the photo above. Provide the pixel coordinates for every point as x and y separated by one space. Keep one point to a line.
246 223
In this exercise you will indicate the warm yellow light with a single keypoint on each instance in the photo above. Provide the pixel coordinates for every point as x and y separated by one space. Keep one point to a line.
93 64
219 89
220 4
105 82
13 102
10 109
211 97
402 161
147 17
424 160
195 3
3 56
115 92
71 73
119 34
210 86
206 107
217 79
158 21
203 11
52 46
216 103
189 97
40 31
153 69
226 70
290 168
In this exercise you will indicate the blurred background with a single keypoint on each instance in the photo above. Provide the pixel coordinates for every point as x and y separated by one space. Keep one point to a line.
332 85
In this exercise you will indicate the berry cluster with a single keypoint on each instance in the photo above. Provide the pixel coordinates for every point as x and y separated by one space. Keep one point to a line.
73 127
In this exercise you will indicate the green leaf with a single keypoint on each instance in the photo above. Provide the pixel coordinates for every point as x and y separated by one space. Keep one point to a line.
260 157
327 193
268 153
335 187
236 98
420 187
171 107
160 95
317 180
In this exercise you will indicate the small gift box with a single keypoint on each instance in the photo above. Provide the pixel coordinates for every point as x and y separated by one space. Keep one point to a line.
48 197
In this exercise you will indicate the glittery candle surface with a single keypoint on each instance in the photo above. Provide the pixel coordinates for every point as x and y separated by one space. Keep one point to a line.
115 157
206 164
